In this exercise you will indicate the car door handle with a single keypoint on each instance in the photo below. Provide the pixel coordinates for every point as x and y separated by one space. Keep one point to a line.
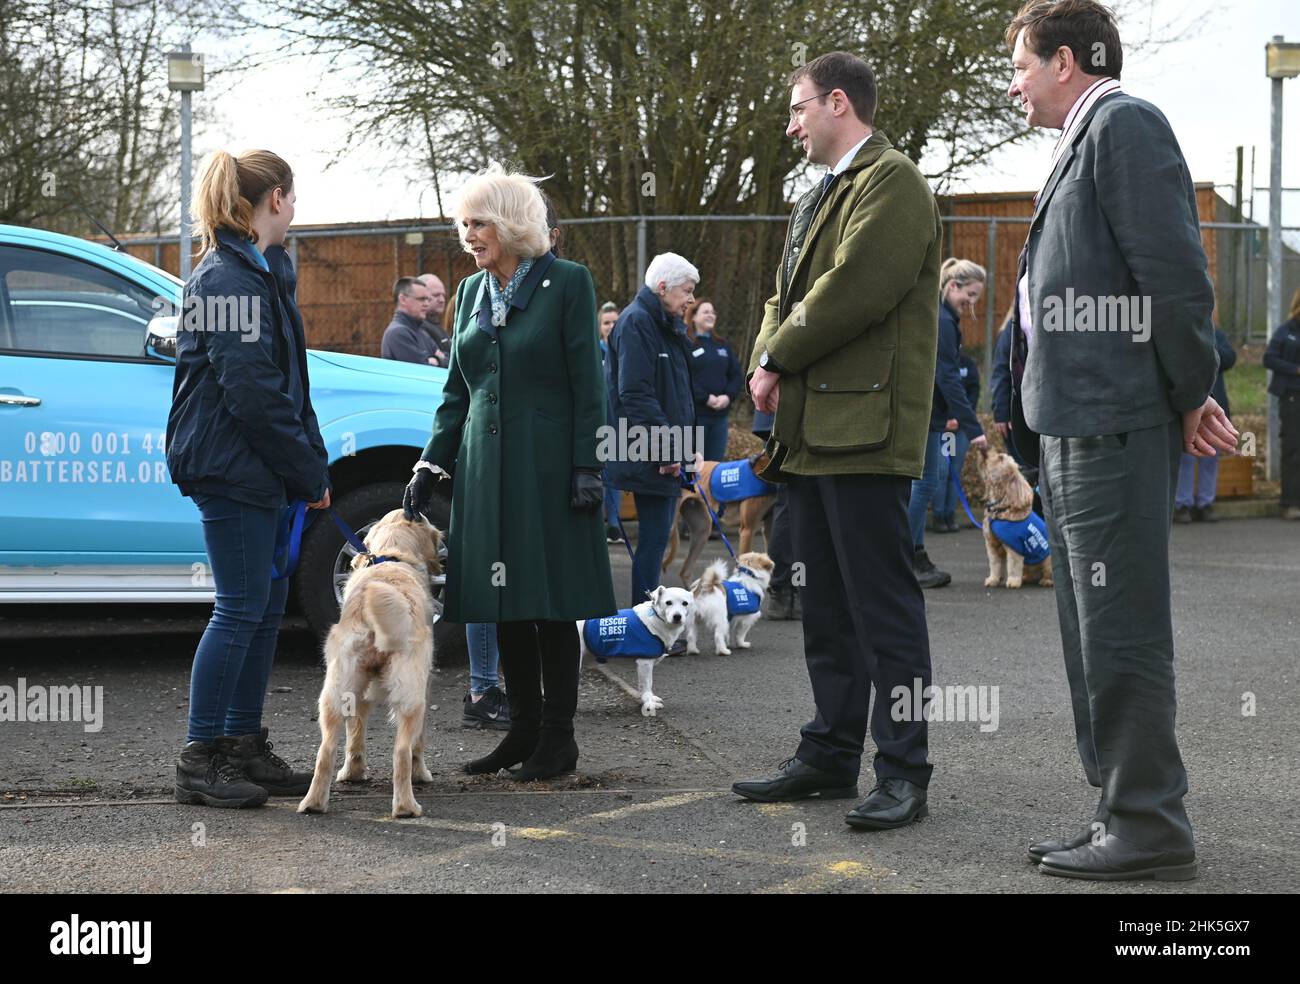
20 401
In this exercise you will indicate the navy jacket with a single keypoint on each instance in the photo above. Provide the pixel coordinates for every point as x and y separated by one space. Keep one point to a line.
714 369
1283 357
950 400
648 377
1001 380
970 378
1227 359
241 423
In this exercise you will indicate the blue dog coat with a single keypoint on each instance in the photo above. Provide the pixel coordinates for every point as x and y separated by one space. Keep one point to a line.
621 636
732 481
1027 537
740 600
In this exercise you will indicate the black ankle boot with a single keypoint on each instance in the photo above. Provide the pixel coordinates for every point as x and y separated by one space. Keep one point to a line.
515 747
252 754
521 664
205 776
556 754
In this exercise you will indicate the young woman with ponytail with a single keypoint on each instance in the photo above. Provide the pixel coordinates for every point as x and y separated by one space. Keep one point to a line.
242 440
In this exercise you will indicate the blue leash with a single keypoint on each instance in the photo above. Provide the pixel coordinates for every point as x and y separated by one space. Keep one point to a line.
288 539
716 524
964 504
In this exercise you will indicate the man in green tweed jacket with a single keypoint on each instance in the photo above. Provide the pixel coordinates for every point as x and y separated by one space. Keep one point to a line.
845 359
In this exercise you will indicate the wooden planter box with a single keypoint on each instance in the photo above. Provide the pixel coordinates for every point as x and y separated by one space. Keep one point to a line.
1236 477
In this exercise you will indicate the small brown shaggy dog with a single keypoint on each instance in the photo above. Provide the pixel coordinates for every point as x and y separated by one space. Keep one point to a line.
1007 496
382 646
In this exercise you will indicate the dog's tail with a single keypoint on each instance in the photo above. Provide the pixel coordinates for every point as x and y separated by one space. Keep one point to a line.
387 614
711 579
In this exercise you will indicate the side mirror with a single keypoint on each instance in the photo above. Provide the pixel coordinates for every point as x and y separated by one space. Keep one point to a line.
160 342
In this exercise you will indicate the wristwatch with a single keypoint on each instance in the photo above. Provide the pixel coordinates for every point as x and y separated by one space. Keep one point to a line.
765 362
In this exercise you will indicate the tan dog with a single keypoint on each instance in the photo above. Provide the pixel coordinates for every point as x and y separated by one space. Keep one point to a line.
755 512
382 646
1007 496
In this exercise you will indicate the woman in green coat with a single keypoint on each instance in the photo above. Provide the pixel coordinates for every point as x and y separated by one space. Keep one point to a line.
517 435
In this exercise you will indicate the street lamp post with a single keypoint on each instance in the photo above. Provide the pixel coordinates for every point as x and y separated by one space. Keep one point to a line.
1283 62
185 75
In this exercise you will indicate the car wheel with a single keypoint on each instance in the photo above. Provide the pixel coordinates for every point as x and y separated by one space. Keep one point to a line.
326 562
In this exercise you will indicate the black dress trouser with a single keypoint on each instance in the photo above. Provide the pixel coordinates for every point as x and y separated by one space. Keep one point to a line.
863 623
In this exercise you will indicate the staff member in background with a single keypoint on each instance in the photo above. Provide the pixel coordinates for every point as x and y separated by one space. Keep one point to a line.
961 282
1198 478
946 503
1283 357
517 431
716 378
433 317
648 374
405 339
241 438
613 500
1000 381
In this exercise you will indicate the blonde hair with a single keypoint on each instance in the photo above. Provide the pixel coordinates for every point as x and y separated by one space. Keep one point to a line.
961 271
509 202
1295 307
229 190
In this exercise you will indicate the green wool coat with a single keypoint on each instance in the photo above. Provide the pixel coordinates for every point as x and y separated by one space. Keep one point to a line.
520 410
854 327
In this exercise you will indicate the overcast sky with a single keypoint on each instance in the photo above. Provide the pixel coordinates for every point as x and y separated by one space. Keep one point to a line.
1212 87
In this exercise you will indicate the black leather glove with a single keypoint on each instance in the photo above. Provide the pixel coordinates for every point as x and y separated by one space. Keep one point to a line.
588 490
419 493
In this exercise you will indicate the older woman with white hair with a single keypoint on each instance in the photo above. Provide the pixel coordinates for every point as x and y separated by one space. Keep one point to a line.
517 434
648 375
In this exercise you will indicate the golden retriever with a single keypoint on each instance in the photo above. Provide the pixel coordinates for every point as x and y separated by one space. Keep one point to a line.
382 646
1007 497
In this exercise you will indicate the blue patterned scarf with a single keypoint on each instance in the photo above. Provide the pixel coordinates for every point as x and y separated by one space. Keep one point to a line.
501 298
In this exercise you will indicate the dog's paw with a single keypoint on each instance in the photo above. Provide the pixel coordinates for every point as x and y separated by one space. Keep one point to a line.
411 809
693 650
650 705
745 645
311 805
351 773
422 777
1013 582
992 582
723 651
1047 582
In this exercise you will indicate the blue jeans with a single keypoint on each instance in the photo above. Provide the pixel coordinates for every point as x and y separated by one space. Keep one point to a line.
946 502
233 662
1203 473
926 487
715 437
654 523
613 500
481 640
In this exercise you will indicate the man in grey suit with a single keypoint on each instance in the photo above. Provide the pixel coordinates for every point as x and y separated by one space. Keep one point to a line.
1114 374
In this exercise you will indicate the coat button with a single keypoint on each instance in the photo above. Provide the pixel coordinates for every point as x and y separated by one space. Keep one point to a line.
494 341
492 398
492 428
875 386
492 367
822 386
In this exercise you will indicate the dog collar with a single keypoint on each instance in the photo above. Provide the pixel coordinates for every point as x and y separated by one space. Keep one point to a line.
373 559
746 570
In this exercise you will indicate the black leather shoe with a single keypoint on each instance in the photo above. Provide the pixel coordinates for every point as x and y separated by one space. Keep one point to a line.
1040 848
796 780
1118 860
893 803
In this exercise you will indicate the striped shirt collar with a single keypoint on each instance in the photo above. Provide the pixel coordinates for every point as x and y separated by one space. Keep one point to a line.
1078 112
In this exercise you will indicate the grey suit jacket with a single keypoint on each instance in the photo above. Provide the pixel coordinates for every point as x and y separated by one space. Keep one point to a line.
1118 288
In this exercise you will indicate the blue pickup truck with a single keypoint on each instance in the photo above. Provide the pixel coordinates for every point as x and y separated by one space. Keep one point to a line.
88 512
